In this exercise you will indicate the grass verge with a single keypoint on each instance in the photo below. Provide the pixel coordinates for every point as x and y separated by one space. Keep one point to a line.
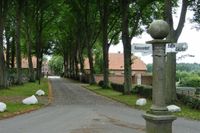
126 99
130 100
13 97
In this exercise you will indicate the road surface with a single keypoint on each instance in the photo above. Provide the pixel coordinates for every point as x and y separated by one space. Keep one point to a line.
77 110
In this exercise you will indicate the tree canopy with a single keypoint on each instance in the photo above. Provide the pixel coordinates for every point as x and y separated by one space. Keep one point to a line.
76 30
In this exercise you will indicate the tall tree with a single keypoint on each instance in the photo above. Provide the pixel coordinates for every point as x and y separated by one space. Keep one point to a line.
109 21
28 28
3 75
92 30
19 5
126 39
134 14
45 12
104 14
171 57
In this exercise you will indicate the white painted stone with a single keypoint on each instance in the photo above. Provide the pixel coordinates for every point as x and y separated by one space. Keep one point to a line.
40 93
141 102
30 100
3 107
173 108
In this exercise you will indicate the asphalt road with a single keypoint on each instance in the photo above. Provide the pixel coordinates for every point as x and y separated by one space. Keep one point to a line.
77 110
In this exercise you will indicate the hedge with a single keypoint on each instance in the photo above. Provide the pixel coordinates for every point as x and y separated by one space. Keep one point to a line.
143 90
191 82
192 102
117 87
101 83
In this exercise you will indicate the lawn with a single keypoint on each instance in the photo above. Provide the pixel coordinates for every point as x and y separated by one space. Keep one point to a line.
130 100
126 99
13 97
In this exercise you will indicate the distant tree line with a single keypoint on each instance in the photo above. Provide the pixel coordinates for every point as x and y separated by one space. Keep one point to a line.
187 67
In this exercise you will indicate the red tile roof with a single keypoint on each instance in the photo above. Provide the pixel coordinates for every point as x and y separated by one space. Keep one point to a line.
116 62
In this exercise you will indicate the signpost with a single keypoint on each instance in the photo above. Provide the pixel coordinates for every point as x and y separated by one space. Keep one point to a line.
159 119
141 48
146 49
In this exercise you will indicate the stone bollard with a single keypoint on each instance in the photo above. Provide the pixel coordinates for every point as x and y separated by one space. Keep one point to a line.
158 119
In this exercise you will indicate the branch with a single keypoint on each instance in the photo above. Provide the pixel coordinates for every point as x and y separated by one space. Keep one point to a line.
112 38
179 29
137 19
95 37
168 13
113 25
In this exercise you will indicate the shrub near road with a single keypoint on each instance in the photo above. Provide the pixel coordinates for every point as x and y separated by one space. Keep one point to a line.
14 95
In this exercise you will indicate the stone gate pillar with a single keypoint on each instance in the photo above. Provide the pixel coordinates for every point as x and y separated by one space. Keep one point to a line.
158 119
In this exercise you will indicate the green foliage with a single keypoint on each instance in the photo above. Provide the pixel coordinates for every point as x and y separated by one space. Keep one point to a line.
118 87
192 102
101 83
149 68
188 67
191 82
14 95
56 64
143 90
190 79
12 73
195 5
98 65
25 90
129 100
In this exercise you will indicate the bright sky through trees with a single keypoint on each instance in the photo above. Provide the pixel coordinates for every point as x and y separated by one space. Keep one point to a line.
189 35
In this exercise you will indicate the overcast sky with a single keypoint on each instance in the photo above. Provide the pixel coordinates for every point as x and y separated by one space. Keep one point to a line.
189 35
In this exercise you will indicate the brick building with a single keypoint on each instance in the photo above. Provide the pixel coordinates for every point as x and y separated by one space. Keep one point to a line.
116 64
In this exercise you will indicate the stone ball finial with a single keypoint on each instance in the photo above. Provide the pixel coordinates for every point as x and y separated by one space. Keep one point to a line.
159 29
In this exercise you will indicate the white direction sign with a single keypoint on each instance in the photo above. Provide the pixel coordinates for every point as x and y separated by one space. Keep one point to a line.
176 47
146 49
143 48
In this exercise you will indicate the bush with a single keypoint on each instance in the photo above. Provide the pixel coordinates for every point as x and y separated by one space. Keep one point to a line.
101 83
143 90
118 87
197 91
85 78
12 75
191 82
192 102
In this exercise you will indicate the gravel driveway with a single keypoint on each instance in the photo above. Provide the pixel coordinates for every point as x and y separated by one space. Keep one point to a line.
77 110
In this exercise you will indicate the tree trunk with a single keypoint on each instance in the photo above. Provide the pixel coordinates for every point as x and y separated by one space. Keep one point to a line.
171 57
170 78
81 60
127 47
65 64
39 29
71 66
90 57
18 48
7 51
3 74
28 43
8 45
104 21
30 63
76 65
13 53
